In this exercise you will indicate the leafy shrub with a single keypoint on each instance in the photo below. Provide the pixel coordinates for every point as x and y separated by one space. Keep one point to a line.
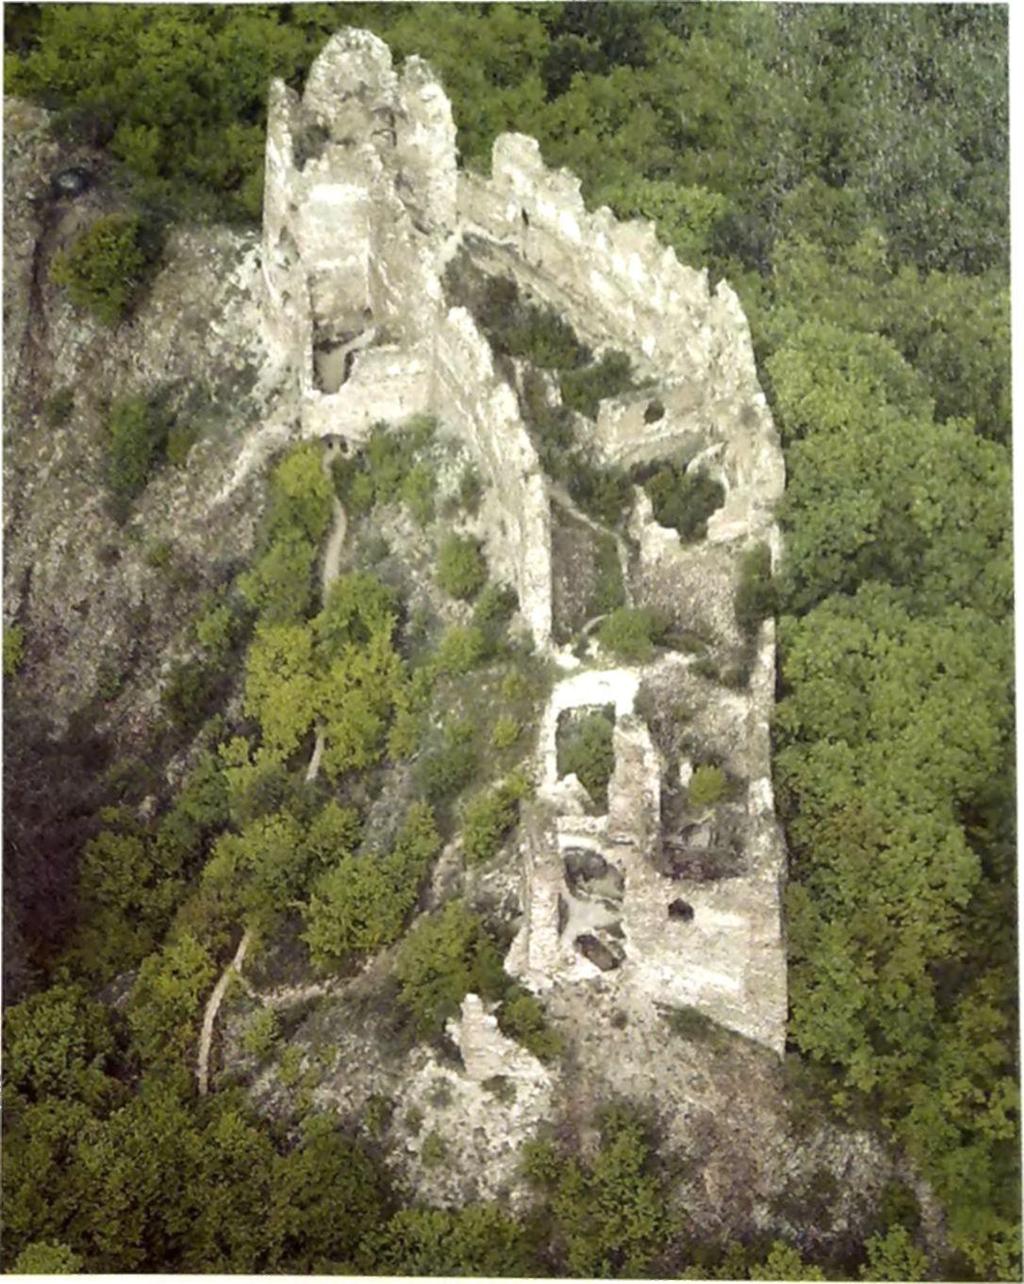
190 694
446 772
387 461
159 556
521 1016
461 568
490 816
520 329
136 434
605 492
631 633
261 1033
684 501
471 489
609 590
417 492
505 732
443 958
494 608
707 786
462 647
755 595
585 748
585 388
434 1150
103 269
58 408
180 440
14 649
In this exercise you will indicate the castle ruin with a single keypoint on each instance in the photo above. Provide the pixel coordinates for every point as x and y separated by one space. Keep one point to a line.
365 208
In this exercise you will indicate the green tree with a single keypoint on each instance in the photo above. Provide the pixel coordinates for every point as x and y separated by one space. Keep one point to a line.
357 699
58 1043
361 903
237 1180
358 608
893 1256
280 686
301 493
46 1258
478 1240
446 956
461 568
609 1217
102 270
784 1263
279 585
328 1195
166 1002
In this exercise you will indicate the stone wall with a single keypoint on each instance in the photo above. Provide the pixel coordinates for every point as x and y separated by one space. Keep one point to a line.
479 407
725 956
621 288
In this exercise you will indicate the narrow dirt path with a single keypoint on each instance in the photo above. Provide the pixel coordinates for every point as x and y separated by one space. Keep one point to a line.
564 500
210 1015
328 574
331 566
332 553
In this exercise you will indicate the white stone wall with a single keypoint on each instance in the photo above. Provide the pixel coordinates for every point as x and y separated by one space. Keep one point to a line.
481 409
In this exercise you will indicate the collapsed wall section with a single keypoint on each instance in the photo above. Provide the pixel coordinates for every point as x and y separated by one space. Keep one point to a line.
621 288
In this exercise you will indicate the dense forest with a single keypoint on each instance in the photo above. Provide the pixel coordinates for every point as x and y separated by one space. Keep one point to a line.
845 168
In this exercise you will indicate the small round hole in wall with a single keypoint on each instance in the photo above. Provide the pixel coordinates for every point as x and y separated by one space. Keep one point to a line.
655 411
681 911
